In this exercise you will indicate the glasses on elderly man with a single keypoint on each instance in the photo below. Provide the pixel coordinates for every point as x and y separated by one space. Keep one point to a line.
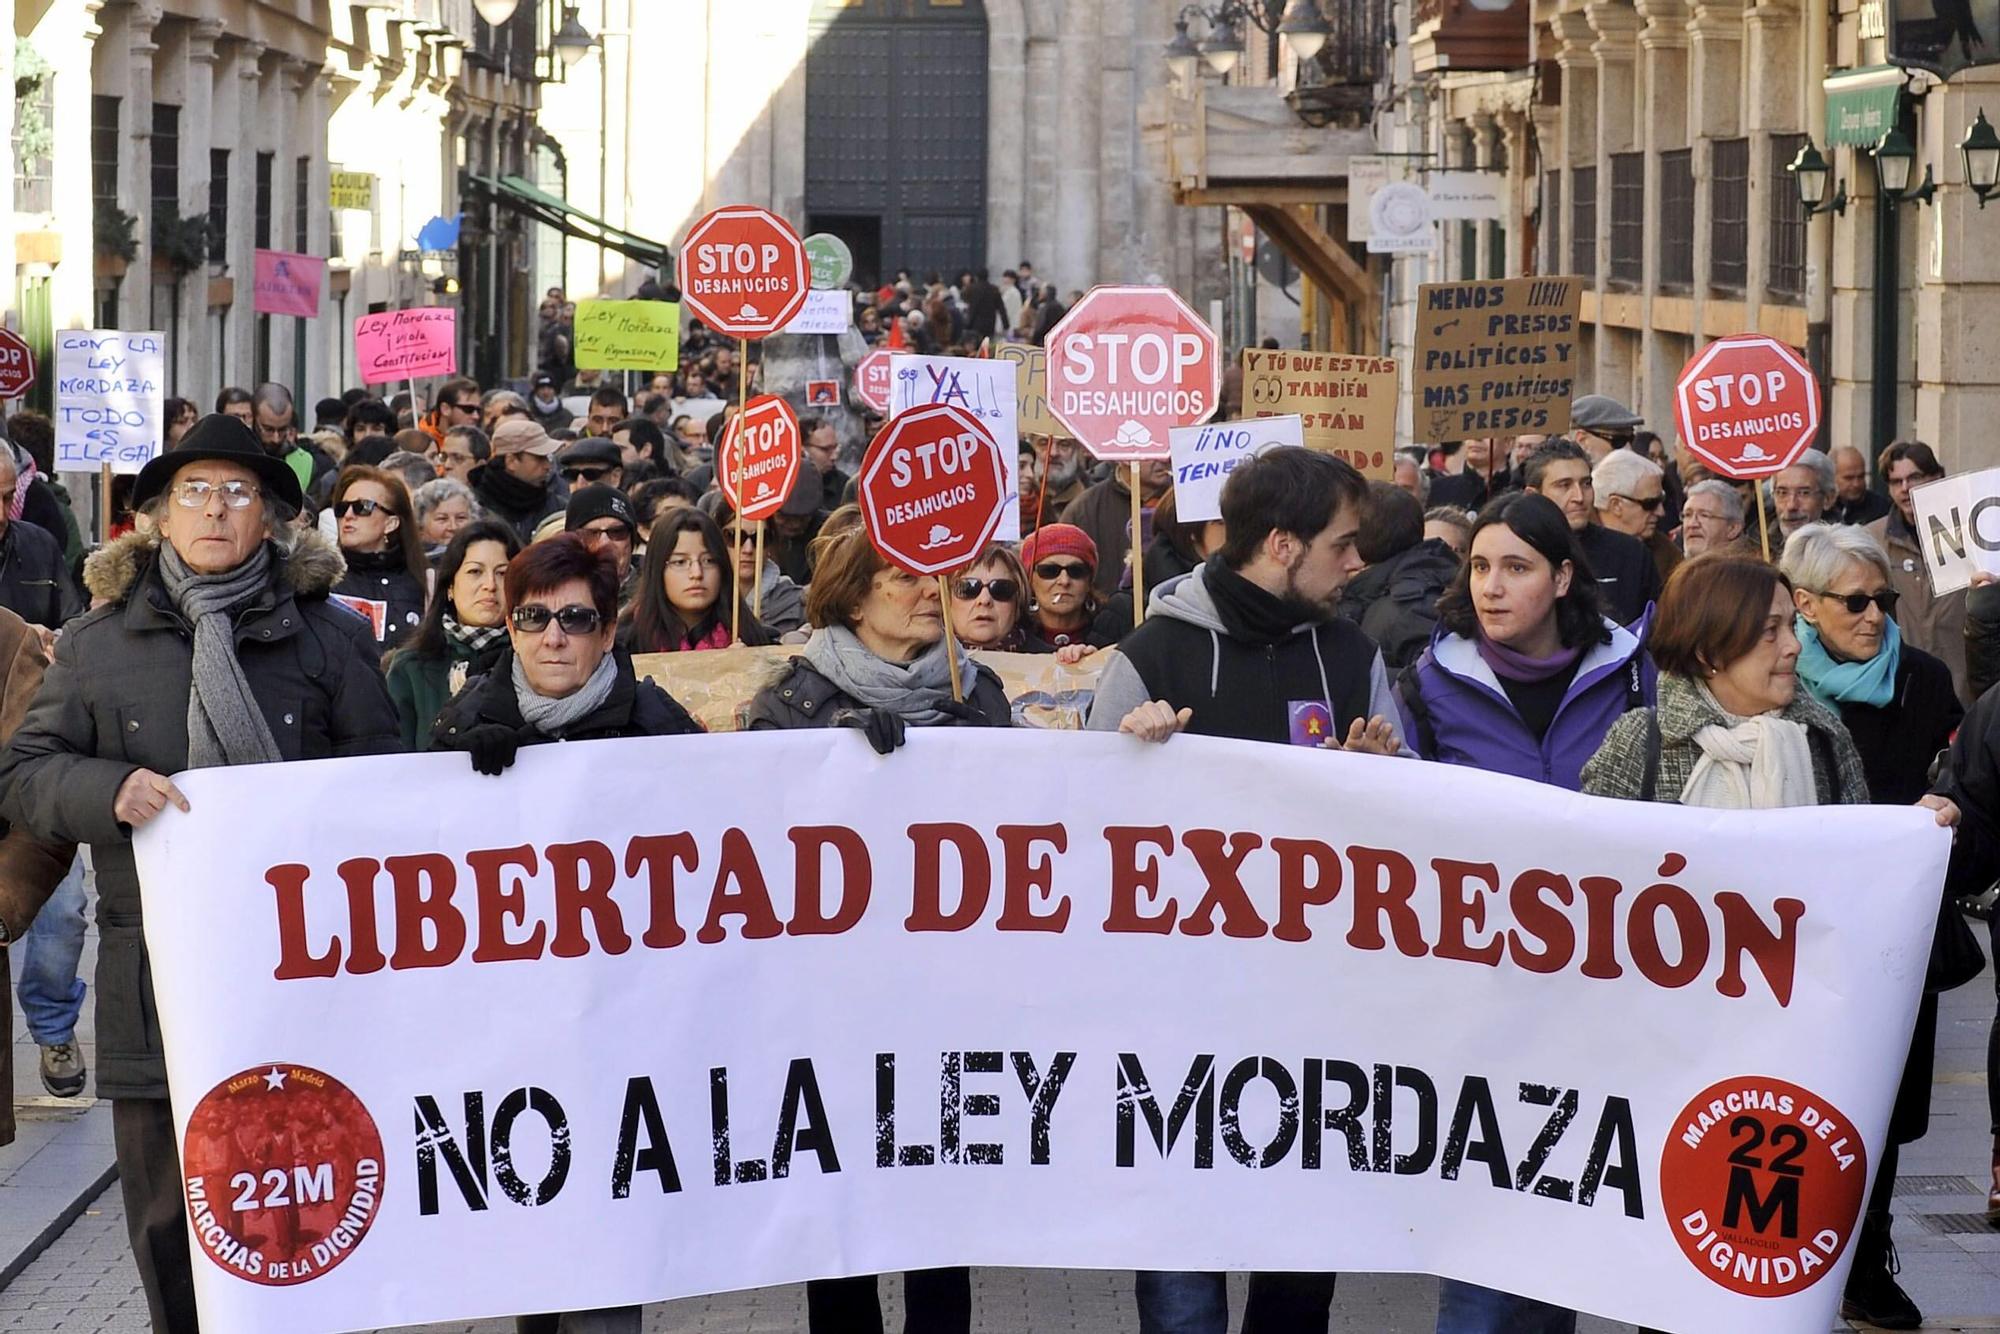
193 493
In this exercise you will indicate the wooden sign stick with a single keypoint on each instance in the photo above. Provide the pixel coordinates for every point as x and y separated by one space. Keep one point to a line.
1138 553
950 640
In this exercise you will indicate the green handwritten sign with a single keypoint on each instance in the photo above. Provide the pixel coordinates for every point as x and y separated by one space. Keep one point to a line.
628 335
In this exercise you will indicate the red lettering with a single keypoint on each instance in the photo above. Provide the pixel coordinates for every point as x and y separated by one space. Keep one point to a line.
1743 932
1024 877
577 894
751 902
1460 914
415 910
1128 878
364 953
497 902
809 917
927 894
295 957
1643 928
658 853
1220 860
1296 893
1600 898
1383 883
1535 919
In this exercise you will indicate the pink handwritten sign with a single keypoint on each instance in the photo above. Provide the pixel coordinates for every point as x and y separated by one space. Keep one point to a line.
400 344
289 284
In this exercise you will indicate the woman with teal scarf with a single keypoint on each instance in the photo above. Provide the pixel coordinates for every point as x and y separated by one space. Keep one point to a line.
1900 708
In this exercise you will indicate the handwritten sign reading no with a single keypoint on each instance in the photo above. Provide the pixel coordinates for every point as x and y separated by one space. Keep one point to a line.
402 344
1205 455
108 399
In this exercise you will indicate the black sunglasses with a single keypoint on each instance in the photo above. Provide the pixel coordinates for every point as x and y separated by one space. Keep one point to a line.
1055 569
341 508
1649 504
533 618
968 590
1856 603
586 473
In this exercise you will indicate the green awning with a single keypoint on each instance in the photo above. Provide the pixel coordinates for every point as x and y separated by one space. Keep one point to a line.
1862 104
512 192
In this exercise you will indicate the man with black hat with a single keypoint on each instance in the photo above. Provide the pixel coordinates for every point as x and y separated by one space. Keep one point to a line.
545 401
593 461
1600 424
605 518
516 484
214 643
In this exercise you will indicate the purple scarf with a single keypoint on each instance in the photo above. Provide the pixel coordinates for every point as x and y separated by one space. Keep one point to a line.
1512 666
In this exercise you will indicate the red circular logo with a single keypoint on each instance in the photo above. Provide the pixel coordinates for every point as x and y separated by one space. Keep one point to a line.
283 1171
1762 1183
1128 364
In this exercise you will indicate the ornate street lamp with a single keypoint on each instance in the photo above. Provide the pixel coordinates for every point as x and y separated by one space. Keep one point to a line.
1895 158
572 40
496 12
1223 46
1980 149
1809 174
1304 29
1183 56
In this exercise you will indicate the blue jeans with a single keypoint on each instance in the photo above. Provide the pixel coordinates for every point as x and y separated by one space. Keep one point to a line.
51 992
1181 1302
1467 1308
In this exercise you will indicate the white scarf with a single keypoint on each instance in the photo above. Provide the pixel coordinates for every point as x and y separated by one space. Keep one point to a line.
1756 764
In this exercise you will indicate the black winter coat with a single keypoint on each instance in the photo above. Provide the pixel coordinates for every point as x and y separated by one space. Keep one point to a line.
34 578
1628 578
381 576
517 503
1395 601
1982 639
635 707
116 700
802 697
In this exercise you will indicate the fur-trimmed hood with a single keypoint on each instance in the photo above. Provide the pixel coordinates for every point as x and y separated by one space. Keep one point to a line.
312 569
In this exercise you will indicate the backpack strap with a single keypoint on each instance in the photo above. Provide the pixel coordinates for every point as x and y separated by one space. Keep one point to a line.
1650 782
1409 690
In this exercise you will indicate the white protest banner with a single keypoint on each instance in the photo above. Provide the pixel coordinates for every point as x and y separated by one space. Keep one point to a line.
825 312
986 387
1958 528
543 1042
1205 455
109 399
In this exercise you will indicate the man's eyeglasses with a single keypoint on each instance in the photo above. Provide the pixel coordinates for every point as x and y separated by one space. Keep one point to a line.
617 532
1650 504
365 508
193 494
586 473
1856 603
452 460
575 619
472 407
1003 590
1053 570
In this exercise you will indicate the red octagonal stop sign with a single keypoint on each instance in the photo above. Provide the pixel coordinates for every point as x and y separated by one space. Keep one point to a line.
17 365
871 381
1747 406
933 489
1126 365
744 271
766 437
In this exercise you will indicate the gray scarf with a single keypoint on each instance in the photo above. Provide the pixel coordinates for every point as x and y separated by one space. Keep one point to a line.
224 723
914 690
552 717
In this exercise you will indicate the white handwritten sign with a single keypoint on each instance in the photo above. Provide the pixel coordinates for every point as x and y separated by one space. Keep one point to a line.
985 387
1958 527
108 399
825 312
1205 455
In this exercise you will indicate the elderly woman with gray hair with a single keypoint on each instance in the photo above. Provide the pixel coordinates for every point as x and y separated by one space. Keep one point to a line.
1899 707
213 642
445 507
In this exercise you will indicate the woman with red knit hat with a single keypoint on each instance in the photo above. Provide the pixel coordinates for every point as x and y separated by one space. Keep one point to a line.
1062 562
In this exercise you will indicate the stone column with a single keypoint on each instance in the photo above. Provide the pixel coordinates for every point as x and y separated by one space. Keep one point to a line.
1956 281
135 159
1663 127
1006 133
198 357
1079 53
1114 252
252 108
1046 112
1616 49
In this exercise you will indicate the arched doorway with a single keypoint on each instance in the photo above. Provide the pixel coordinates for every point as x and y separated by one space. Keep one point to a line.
896 133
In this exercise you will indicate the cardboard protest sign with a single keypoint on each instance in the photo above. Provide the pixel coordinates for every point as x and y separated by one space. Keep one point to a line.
825 312
1637 991
403 344
987 389
1205 455
1494 358
288 284
1033 380
1347 404
628 335
1958 527
109 399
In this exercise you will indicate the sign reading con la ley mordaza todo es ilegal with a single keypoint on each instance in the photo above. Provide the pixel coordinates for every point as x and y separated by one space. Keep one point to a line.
1494 358
109 399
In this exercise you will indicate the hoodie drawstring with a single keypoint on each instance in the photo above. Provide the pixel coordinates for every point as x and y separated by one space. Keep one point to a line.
1214 662
1325 689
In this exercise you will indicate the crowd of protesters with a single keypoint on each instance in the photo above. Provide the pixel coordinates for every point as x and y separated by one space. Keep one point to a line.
476 573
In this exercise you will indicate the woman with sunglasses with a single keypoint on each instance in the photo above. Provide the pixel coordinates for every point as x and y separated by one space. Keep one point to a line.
387 576
687 584
1061 560
989 604
1899 706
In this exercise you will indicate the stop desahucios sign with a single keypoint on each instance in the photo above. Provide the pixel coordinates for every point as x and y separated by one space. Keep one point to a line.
1127 365
1747 405
933 489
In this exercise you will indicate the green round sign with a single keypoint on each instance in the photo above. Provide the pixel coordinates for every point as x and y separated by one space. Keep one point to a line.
832 262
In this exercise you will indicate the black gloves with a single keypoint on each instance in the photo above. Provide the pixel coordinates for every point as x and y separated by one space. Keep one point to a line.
492 746
883 728
960 711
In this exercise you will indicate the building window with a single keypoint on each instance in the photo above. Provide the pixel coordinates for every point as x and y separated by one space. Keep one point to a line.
1788 222
1628 219
218 206
166 161
1549 261
1468 251
1583 222
34 131
1677 219
262 205
301 204
104 152
1729 216
1496 250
